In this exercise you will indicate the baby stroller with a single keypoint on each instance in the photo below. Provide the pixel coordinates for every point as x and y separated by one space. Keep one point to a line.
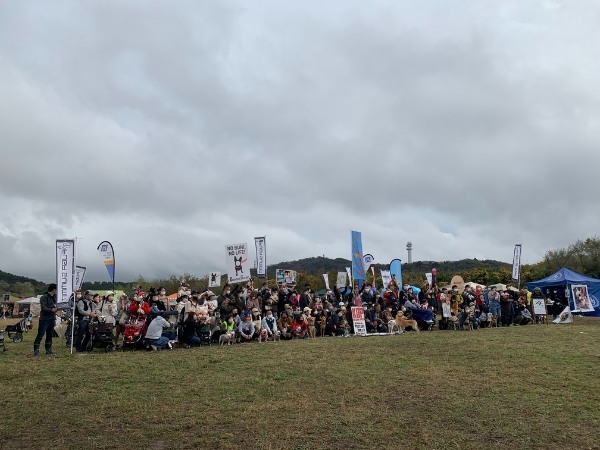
424 317
203 331
133 334
101 336
15 332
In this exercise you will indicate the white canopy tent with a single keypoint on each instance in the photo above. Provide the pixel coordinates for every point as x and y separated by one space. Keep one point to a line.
31 303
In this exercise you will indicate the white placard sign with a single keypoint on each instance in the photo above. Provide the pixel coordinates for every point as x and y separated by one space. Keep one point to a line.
386 278
539 306
358 320
214 279
581 298
341 280
446 311
238 268
326 278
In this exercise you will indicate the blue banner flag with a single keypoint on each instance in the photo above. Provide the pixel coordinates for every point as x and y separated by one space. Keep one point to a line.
358 263
396 269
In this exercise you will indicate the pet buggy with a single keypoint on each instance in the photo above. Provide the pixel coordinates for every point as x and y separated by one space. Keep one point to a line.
101 336
15 332
424 317
133 334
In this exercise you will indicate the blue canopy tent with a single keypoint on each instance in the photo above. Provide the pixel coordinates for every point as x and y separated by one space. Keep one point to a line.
564 279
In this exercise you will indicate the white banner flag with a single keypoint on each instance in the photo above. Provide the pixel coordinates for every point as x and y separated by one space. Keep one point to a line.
238 269
261 256
214 279
516 269
349 272
79 274
386 278
65 268
326 278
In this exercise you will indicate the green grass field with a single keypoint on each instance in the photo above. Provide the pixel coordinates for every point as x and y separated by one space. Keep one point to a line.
518 387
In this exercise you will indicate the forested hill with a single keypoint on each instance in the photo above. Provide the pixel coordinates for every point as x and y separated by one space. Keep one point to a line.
319 265
19 285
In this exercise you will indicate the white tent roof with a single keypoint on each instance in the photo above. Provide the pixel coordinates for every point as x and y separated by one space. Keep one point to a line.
28 301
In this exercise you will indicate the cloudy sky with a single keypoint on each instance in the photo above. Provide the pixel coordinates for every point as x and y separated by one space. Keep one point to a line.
174 128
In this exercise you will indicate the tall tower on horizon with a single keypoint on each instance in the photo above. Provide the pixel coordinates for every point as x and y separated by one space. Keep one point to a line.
409 250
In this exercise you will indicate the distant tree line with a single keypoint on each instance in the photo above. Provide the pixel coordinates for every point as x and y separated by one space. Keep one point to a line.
582 256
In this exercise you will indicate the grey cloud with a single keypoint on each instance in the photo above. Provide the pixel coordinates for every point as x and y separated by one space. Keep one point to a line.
184 127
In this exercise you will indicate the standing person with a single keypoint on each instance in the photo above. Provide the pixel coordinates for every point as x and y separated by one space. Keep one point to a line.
46 325
83 313
122 317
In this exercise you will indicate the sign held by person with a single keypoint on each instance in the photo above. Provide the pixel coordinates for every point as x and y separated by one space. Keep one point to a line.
214 279
238 269
285 276
341 280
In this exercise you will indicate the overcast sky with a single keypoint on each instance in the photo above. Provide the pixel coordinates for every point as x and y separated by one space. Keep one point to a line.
174 128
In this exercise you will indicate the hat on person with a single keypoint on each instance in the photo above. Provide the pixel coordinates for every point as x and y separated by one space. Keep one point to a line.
109 293
254 309
89 292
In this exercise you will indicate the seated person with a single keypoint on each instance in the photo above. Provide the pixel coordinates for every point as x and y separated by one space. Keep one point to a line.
154 335
246 329
300 327
284 324
270 324
523 315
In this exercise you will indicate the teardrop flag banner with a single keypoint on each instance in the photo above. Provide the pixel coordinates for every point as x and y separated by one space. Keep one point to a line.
106 250
396 269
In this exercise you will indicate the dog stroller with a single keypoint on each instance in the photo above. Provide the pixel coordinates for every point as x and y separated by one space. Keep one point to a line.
101 336
15 332
133 334
424 317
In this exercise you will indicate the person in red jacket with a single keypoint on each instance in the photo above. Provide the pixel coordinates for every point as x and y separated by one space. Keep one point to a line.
139 308
300 327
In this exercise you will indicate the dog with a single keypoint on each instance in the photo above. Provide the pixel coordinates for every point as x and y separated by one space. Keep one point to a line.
227 338
468 324
263 335
542 319
453 322
345 326
393 327
312 329
403 323
322 325
494 322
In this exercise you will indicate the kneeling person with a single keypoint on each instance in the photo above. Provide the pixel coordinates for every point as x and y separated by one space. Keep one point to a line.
154 335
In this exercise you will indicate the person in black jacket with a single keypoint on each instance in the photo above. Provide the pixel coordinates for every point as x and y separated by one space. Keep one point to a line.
46 326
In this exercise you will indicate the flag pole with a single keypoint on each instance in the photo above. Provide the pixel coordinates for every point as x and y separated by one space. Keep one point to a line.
74 298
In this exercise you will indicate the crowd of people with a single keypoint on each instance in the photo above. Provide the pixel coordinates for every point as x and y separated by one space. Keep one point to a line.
245 313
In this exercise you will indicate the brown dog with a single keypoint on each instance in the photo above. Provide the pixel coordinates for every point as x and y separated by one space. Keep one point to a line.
322 325
312 329
403 322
